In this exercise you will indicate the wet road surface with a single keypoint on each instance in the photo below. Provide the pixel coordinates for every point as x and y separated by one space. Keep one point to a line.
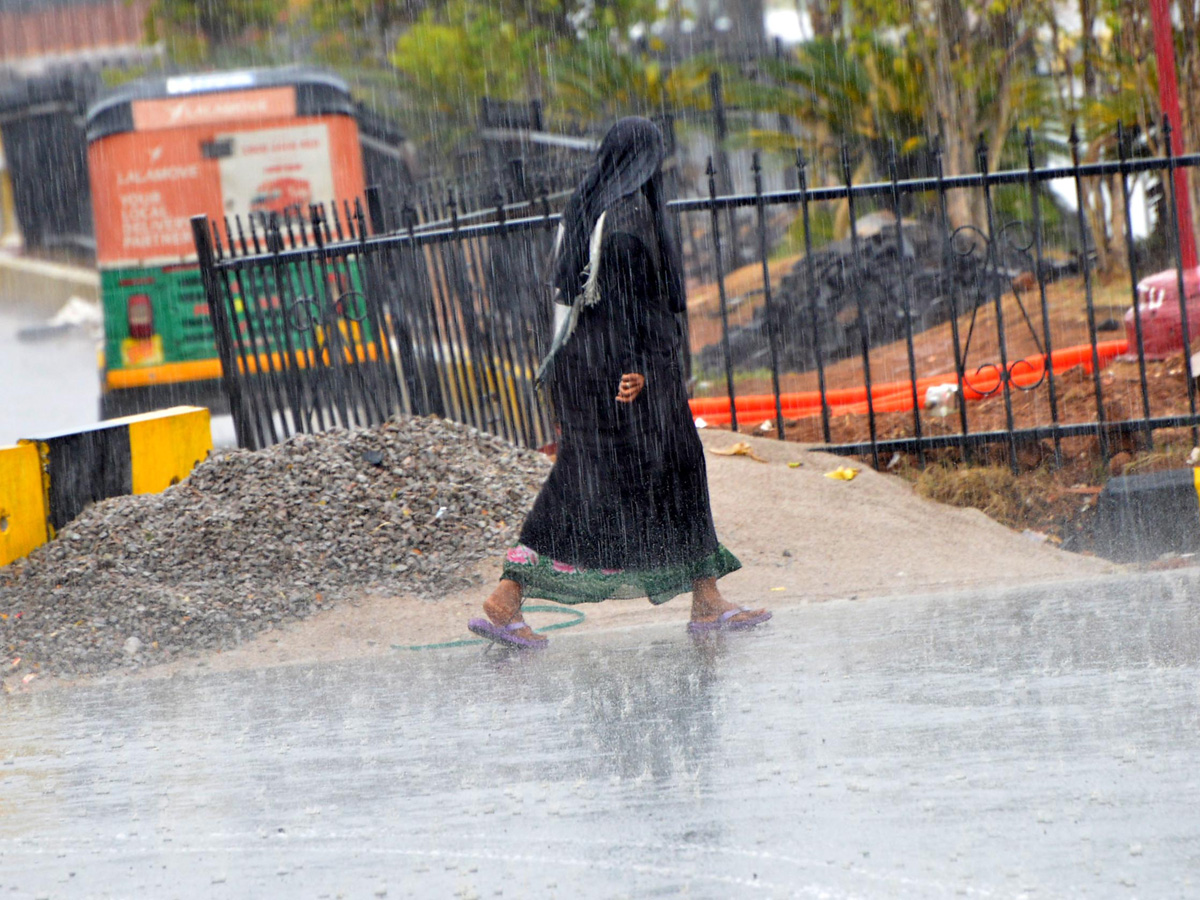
50 384
1038 742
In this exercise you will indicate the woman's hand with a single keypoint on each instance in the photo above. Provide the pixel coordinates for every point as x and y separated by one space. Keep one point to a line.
631 385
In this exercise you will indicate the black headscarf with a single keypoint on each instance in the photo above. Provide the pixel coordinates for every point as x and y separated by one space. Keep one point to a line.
630 158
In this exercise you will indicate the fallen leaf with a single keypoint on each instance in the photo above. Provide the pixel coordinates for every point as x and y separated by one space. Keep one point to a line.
842 473
741 448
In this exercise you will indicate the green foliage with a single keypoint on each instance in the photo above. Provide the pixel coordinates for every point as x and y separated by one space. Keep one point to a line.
193 29
355 32
847 91
456 55
822 225
117 76
467 53
591 79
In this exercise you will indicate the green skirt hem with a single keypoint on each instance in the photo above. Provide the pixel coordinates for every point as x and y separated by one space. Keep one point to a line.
544 579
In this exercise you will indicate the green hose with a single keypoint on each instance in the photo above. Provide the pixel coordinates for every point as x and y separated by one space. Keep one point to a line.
576 614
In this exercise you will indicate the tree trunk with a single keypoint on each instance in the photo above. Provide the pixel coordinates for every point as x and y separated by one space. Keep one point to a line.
1087 15
818 18
955 111
1097 225
1118 244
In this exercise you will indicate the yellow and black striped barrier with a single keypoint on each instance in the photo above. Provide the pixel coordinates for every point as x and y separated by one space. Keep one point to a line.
46 481
22 502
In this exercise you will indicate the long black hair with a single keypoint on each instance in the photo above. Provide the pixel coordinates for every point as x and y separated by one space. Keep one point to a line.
629 159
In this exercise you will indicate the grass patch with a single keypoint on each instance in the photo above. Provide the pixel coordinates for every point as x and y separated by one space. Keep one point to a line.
994 490
1056 502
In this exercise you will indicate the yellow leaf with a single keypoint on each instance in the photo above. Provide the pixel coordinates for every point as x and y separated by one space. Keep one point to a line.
741 448
842 473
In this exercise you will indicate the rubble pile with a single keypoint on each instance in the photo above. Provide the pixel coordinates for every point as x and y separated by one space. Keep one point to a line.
251 540
940 279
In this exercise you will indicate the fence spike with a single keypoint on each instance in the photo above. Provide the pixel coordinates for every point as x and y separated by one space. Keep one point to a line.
409 217
216 235
360 219
241 234
337 220
501 217
254 232
274 237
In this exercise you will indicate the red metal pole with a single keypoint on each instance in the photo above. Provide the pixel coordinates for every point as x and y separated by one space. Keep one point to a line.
1168 98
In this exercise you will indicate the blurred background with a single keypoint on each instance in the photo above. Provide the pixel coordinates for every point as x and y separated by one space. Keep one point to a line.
463 102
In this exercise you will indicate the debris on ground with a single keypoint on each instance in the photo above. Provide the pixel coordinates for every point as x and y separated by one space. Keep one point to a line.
741 448
843 473
254 539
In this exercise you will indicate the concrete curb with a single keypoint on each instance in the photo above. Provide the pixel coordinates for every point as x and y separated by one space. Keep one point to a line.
1143 517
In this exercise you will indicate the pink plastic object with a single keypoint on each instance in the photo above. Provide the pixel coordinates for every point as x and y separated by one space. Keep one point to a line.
1162 323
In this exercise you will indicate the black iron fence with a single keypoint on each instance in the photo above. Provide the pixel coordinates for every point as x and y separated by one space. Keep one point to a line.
911 316
325 322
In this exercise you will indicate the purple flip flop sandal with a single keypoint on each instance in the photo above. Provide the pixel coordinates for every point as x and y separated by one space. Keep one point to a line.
504 634
724 622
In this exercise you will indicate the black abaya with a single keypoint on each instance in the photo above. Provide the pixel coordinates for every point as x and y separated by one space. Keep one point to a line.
628 495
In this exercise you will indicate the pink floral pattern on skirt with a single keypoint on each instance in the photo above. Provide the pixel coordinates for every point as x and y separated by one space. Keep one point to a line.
521 555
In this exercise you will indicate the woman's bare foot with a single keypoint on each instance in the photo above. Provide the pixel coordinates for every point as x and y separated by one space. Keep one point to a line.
503 607
708 605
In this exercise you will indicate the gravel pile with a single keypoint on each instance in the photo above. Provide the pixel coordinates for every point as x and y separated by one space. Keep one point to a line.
251 540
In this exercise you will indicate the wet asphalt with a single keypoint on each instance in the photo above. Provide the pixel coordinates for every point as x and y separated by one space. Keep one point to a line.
52 379
50 382
1036 742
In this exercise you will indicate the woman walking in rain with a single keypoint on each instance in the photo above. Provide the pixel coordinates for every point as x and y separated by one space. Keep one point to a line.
625 510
